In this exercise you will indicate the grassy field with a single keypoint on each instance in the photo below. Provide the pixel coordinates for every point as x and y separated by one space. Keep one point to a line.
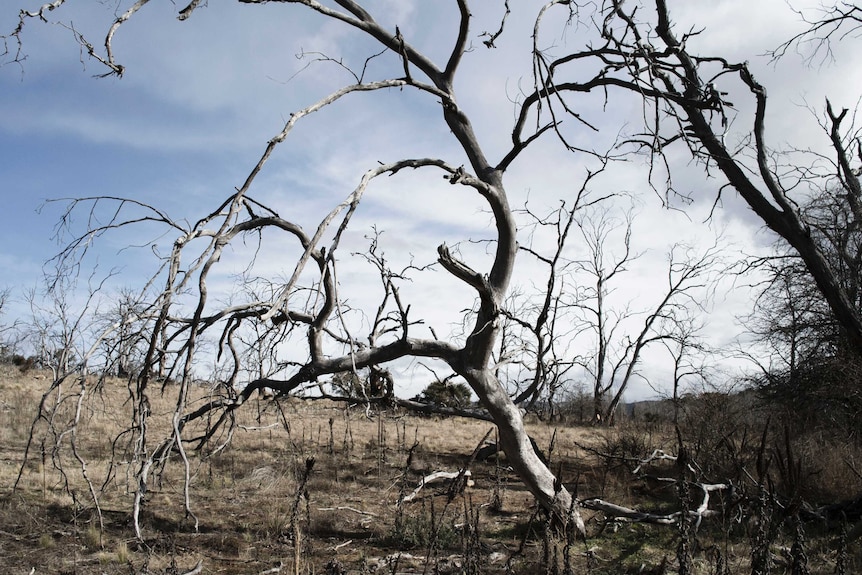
315 487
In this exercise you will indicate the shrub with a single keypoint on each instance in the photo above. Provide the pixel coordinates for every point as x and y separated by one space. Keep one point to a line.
23 363
445 394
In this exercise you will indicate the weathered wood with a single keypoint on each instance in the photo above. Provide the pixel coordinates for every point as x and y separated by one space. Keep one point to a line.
635 516
436 477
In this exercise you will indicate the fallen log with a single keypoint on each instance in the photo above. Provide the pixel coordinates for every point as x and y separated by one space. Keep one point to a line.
635 516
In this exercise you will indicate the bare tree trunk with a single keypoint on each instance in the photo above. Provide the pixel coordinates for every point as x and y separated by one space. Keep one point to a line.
520 454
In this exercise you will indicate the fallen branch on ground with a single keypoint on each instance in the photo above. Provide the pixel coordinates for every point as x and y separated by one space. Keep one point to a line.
436 477
347 509
635 516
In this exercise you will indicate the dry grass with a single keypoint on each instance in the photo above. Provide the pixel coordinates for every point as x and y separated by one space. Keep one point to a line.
347 516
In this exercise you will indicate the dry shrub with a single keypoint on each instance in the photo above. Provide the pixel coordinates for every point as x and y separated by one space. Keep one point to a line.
616 452
423 526
830 469
722 432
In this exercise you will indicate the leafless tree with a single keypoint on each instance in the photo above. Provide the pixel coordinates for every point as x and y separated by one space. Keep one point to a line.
4 299
538 330
73 339
572 330
62 331
308 299
125 320
687 100
601 268
809 366
639 53
618 337
688 353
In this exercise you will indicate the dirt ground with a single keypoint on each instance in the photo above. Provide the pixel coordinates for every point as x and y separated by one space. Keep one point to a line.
304 487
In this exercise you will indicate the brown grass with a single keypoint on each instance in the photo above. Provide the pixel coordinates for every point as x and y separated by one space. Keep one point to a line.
350 519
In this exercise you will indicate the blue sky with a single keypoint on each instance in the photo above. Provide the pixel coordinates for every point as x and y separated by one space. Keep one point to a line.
200 99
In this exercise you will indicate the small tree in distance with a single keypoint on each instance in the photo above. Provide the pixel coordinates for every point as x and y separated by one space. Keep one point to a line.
445 394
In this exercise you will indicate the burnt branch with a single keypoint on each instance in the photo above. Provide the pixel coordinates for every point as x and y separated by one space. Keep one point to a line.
831 24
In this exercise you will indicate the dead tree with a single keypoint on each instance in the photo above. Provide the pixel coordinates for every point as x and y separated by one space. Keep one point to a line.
308 300
690 99
540 330
617 336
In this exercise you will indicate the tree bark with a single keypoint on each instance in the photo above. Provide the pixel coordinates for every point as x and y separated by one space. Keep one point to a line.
520 454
